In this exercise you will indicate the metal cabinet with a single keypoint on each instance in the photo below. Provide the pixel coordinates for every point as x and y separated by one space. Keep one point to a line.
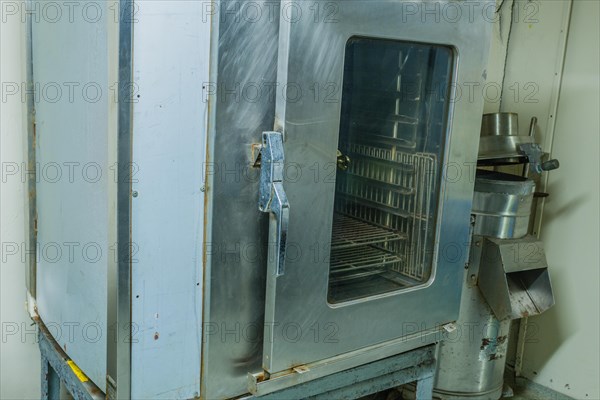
290 208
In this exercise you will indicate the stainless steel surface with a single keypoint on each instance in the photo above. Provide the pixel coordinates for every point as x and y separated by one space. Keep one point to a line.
242 294
500 124
502 204
473 363
118 353
500 139
272 198
471 360
499 150
514 279
299 297
236 231
500 144
507 274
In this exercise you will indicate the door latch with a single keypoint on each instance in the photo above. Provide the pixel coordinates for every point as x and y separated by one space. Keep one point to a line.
272 198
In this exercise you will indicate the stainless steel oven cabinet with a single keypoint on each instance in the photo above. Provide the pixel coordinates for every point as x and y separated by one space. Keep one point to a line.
280 196
362 109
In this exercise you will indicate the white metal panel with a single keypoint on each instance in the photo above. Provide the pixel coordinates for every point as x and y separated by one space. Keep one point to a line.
170 62
71 103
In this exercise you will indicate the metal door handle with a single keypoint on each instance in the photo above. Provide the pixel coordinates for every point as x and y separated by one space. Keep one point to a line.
272 198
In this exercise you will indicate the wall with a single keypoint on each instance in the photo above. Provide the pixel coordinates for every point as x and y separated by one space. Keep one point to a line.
562 347
19 355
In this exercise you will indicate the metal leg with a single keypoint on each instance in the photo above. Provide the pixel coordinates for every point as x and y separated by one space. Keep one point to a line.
50 382
424 390
58 375
44 379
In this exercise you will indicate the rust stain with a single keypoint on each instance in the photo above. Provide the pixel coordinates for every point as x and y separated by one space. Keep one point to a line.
260 377
156 335
95 390
484 343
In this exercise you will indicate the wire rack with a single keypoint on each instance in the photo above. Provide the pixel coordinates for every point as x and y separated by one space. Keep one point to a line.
383 211
358 249
350 232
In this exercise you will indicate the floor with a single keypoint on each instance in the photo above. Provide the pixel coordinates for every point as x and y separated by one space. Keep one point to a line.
522 390
527 390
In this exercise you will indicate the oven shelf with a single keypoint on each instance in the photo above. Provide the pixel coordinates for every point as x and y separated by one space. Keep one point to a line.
352 198
350 232
384 156
375 180
361 273
361 258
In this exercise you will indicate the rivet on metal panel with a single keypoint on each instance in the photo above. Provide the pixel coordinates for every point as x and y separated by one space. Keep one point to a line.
134 193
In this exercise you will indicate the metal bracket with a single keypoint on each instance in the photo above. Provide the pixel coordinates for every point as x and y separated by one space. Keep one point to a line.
534 154
272 198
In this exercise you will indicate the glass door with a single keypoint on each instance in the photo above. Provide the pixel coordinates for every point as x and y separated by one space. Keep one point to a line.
367 240
392 127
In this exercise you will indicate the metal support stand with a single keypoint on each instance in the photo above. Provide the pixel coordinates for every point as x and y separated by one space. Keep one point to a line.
425 388
56 371
418 366
413 366
50 381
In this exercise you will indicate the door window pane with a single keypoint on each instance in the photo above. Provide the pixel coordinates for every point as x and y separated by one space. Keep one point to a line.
394 118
